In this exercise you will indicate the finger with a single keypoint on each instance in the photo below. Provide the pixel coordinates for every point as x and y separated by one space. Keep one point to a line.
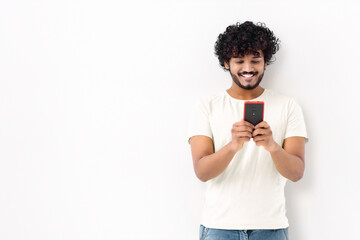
259 138
243 129
262 124
244 123
260 131
244 138
243 135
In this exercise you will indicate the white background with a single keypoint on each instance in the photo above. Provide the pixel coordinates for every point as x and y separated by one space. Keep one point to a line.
95 98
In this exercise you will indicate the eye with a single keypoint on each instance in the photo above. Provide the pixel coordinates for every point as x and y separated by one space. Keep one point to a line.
255 61
240 62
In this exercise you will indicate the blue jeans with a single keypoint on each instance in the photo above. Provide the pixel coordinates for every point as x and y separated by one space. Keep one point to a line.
262 234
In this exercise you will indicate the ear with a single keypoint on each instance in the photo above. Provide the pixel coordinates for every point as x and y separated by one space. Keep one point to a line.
266 64
226 64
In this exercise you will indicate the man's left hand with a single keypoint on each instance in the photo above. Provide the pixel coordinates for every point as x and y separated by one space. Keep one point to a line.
262 136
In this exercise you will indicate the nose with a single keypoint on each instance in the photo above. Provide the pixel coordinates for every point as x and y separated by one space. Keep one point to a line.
247 67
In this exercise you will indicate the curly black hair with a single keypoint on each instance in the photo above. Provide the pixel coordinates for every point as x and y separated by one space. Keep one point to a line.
241 39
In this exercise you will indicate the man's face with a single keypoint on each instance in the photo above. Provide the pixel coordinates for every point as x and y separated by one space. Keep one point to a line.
247 71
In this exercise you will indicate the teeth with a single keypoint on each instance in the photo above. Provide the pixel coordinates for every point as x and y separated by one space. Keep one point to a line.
248 75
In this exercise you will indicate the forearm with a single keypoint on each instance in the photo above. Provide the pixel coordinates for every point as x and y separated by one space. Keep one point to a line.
290 166
212 165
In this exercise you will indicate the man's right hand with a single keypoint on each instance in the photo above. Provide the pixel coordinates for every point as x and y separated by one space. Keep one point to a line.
241 132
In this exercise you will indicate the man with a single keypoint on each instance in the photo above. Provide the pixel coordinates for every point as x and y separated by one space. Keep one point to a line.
246 167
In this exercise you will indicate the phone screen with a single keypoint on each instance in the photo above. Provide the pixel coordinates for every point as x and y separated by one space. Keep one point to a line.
254 112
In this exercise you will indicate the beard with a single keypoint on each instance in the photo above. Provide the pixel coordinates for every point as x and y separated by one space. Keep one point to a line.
249 87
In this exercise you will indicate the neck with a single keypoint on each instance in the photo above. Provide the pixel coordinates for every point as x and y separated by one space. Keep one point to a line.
242 94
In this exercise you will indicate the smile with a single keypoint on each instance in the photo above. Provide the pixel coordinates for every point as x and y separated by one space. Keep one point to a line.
247 76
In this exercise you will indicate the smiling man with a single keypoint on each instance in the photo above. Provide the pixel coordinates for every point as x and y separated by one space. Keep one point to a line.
245 167
253 77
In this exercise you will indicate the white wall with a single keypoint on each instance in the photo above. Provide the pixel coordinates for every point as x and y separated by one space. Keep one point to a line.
94 102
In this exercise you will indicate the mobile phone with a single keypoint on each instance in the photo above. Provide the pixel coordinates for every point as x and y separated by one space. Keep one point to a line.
254 112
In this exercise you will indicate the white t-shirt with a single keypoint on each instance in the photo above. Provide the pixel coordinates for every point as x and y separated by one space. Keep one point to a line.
249 193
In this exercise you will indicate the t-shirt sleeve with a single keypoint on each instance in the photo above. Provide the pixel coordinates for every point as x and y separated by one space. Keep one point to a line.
199 123
296 124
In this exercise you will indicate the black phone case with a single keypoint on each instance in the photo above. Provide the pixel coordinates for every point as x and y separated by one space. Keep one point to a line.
254 113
